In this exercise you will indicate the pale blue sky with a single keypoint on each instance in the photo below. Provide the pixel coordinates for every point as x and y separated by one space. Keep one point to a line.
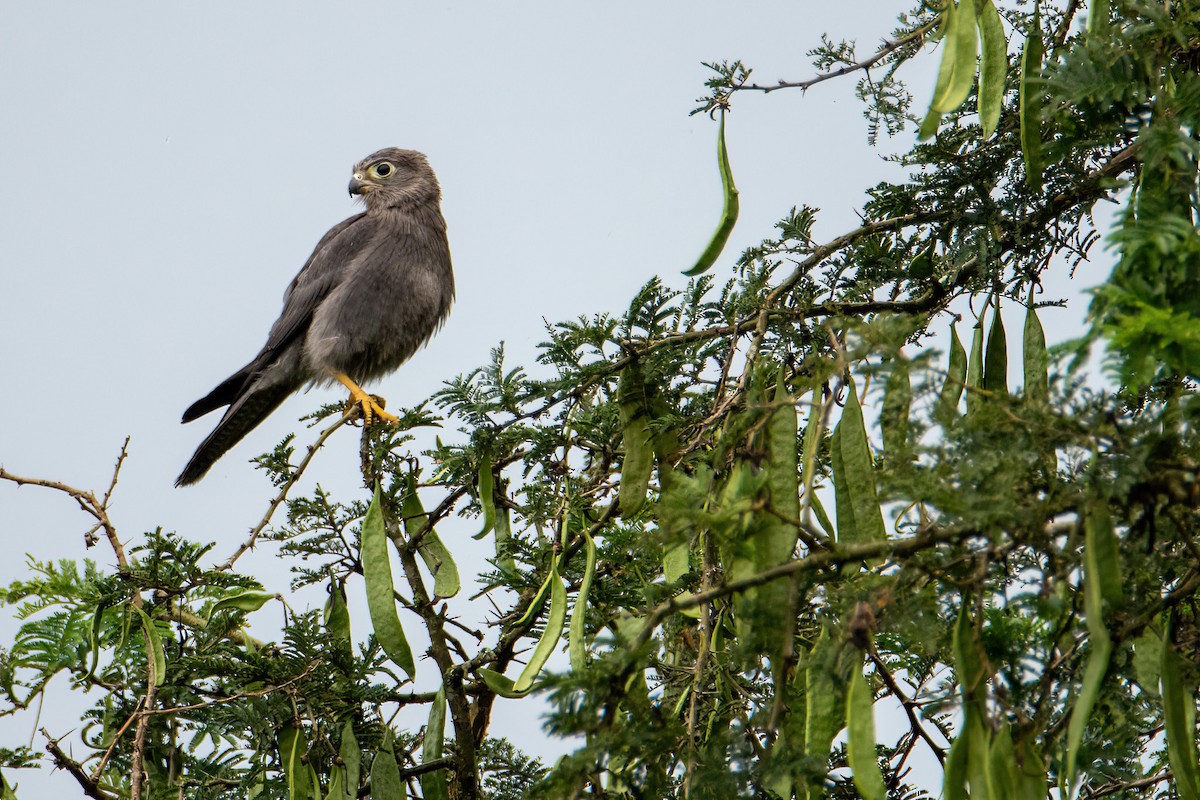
167 168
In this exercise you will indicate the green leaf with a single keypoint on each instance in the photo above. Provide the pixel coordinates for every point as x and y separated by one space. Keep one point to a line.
960 48
154 647
636 439
434 785
1179 718
351 756
6 791
1035 359
433 552
550 635
992 67
1030 99
381 599
956 378
995 367
486 488
247 601
729 213
1002 765
860 743
893 416
386 783
576 644
860 519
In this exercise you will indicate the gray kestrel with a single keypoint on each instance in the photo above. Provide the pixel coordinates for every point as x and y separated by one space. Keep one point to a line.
375 289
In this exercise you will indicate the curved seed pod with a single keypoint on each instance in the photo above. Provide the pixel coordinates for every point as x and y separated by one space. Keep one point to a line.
351 757
487 498
550 635
975 365
897 401
957 73
1099 13
956 379
824 713
860 519
155 647
247 601
1030 101
337 615
860 743
1034 359
434 784
992 67
576 646
995 365
94 631
1179 718
636 440
301 779
1101 581
729 213
433 552
386 783
500 684
381 599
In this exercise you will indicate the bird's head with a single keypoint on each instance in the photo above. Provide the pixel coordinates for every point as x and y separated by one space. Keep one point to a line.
394 178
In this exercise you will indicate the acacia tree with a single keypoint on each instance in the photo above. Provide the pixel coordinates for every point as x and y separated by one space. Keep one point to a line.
757 511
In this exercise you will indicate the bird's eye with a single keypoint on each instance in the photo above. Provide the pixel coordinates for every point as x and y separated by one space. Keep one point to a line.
382 170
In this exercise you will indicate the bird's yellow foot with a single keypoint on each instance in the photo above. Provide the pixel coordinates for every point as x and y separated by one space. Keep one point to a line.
372 406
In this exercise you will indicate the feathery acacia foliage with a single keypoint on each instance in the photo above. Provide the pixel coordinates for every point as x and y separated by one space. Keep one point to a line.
757 513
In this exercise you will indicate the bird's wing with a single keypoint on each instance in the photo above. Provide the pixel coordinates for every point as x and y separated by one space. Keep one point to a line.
316 279
322 272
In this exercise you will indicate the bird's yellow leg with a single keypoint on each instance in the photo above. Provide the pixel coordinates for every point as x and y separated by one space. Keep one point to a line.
370 406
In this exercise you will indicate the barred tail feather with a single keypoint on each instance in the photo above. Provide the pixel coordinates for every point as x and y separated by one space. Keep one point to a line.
242 417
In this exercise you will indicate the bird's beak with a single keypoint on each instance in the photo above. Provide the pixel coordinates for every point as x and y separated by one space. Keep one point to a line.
357 186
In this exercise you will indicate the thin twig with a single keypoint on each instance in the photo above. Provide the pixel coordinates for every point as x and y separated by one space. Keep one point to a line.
115 739
257 530
1140 783
87 502
62 760
138 774
909 707
889 47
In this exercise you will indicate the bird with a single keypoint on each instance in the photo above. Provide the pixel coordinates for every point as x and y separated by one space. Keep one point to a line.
374 291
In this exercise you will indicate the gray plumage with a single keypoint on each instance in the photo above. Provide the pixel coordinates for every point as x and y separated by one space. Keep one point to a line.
375 289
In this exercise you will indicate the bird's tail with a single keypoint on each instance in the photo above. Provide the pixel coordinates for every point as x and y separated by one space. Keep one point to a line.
242 417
